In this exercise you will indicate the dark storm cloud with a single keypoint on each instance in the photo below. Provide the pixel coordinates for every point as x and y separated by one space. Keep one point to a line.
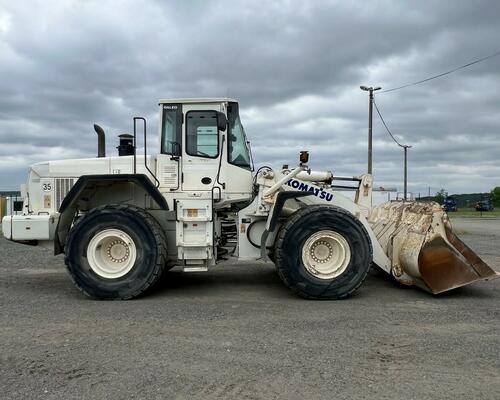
295 66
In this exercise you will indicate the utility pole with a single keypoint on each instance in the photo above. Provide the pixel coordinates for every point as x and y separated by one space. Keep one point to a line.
370 123
370 137
406 147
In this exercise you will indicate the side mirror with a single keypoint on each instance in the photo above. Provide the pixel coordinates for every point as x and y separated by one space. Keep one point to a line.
176 149
221 121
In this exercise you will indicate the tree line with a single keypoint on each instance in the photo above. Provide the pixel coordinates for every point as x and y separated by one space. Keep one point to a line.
468 199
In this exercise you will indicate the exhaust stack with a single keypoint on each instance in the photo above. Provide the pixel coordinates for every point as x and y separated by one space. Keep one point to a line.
101 141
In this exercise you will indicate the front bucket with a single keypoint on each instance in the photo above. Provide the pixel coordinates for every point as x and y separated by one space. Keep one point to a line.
424 251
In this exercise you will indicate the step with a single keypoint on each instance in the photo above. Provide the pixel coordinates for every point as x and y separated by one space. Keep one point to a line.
197 268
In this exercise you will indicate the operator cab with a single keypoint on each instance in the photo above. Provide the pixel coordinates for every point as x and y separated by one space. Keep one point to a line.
204 151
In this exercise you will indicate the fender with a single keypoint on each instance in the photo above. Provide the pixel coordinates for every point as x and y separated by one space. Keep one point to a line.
69 205
275 213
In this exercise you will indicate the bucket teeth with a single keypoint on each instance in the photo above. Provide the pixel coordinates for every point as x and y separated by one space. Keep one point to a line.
423 249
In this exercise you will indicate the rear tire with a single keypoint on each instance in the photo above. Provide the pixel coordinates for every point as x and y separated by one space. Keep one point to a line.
116 252
323 252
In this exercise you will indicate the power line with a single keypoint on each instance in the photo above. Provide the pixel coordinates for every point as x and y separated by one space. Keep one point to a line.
386 127
443 74
404 146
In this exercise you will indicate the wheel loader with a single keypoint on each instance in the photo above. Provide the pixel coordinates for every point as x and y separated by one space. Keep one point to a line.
123 220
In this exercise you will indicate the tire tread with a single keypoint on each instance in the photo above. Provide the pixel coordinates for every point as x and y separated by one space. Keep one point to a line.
292 220
161 244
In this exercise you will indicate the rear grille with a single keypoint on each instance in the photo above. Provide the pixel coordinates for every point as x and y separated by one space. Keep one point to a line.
63 186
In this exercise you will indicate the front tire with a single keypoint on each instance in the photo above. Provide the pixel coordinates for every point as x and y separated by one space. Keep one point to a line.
116 252
323 252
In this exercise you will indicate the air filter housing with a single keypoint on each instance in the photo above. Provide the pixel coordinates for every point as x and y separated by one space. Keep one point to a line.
126 147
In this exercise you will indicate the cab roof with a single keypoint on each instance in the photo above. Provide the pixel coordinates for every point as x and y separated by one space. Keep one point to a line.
191 100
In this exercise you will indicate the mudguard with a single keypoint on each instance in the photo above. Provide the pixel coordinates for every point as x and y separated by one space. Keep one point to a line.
86 183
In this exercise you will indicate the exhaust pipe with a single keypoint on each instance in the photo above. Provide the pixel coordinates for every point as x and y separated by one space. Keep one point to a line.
101 141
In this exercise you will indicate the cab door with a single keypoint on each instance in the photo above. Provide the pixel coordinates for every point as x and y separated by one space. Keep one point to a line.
202 147
168 161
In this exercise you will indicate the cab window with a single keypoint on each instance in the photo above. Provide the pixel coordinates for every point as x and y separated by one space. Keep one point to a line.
171 129
202 135
238 152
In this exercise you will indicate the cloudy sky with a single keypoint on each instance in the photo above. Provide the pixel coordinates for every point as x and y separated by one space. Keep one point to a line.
295 66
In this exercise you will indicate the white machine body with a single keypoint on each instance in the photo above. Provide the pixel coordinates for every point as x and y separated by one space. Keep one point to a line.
211 205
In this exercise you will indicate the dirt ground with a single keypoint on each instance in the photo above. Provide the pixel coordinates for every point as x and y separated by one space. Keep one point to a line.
237 333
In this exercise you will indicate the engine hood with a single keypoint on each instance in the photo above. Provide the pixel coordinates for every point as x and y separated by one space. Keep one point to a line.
91 166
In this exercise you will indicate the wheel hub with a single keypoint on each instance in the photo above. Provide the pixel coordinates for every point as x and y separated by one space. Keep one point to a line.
111 253
321 251
118 251
326 254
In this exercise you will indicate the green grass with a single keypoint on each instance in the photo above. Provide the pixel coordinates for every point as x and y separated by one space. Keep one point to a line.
470 212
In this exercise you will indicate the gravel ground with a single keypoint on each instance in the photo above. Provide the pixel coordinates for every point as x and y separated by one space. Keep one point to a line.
237 333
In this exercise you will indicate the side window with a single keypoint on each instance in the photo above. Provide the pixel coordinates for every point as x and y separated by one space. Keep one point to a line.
202 135
171 129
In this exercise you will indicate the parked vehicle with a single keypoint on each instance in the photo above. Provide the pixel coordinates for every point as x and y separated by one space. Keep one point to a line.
484 205
449 204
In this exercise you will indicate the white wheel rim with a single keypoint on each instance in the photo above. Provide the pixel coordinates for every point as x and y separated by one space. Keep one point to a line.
111 253
326 254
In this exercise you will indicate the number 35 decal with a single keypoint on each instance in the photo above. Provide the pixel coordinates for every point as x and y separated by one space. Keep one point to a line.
46 187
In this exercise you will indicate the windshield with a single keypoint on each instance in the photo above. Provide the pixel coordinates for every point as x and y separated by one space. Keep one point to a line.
238 151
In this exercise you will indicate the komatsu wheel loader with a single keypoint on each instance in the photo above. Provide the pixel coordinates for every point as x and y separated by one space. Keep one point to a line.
122 221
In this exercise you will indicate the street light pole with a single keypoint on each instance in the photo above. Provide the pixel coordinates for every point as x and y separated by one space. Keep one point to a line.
370 124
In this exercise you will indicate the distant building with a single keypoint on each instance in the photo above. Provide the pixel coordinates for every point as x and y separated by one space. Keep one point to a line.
10 193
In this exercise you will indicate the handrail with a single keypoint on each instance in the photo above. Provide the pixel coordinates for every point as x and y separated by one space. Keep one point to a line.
145 149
